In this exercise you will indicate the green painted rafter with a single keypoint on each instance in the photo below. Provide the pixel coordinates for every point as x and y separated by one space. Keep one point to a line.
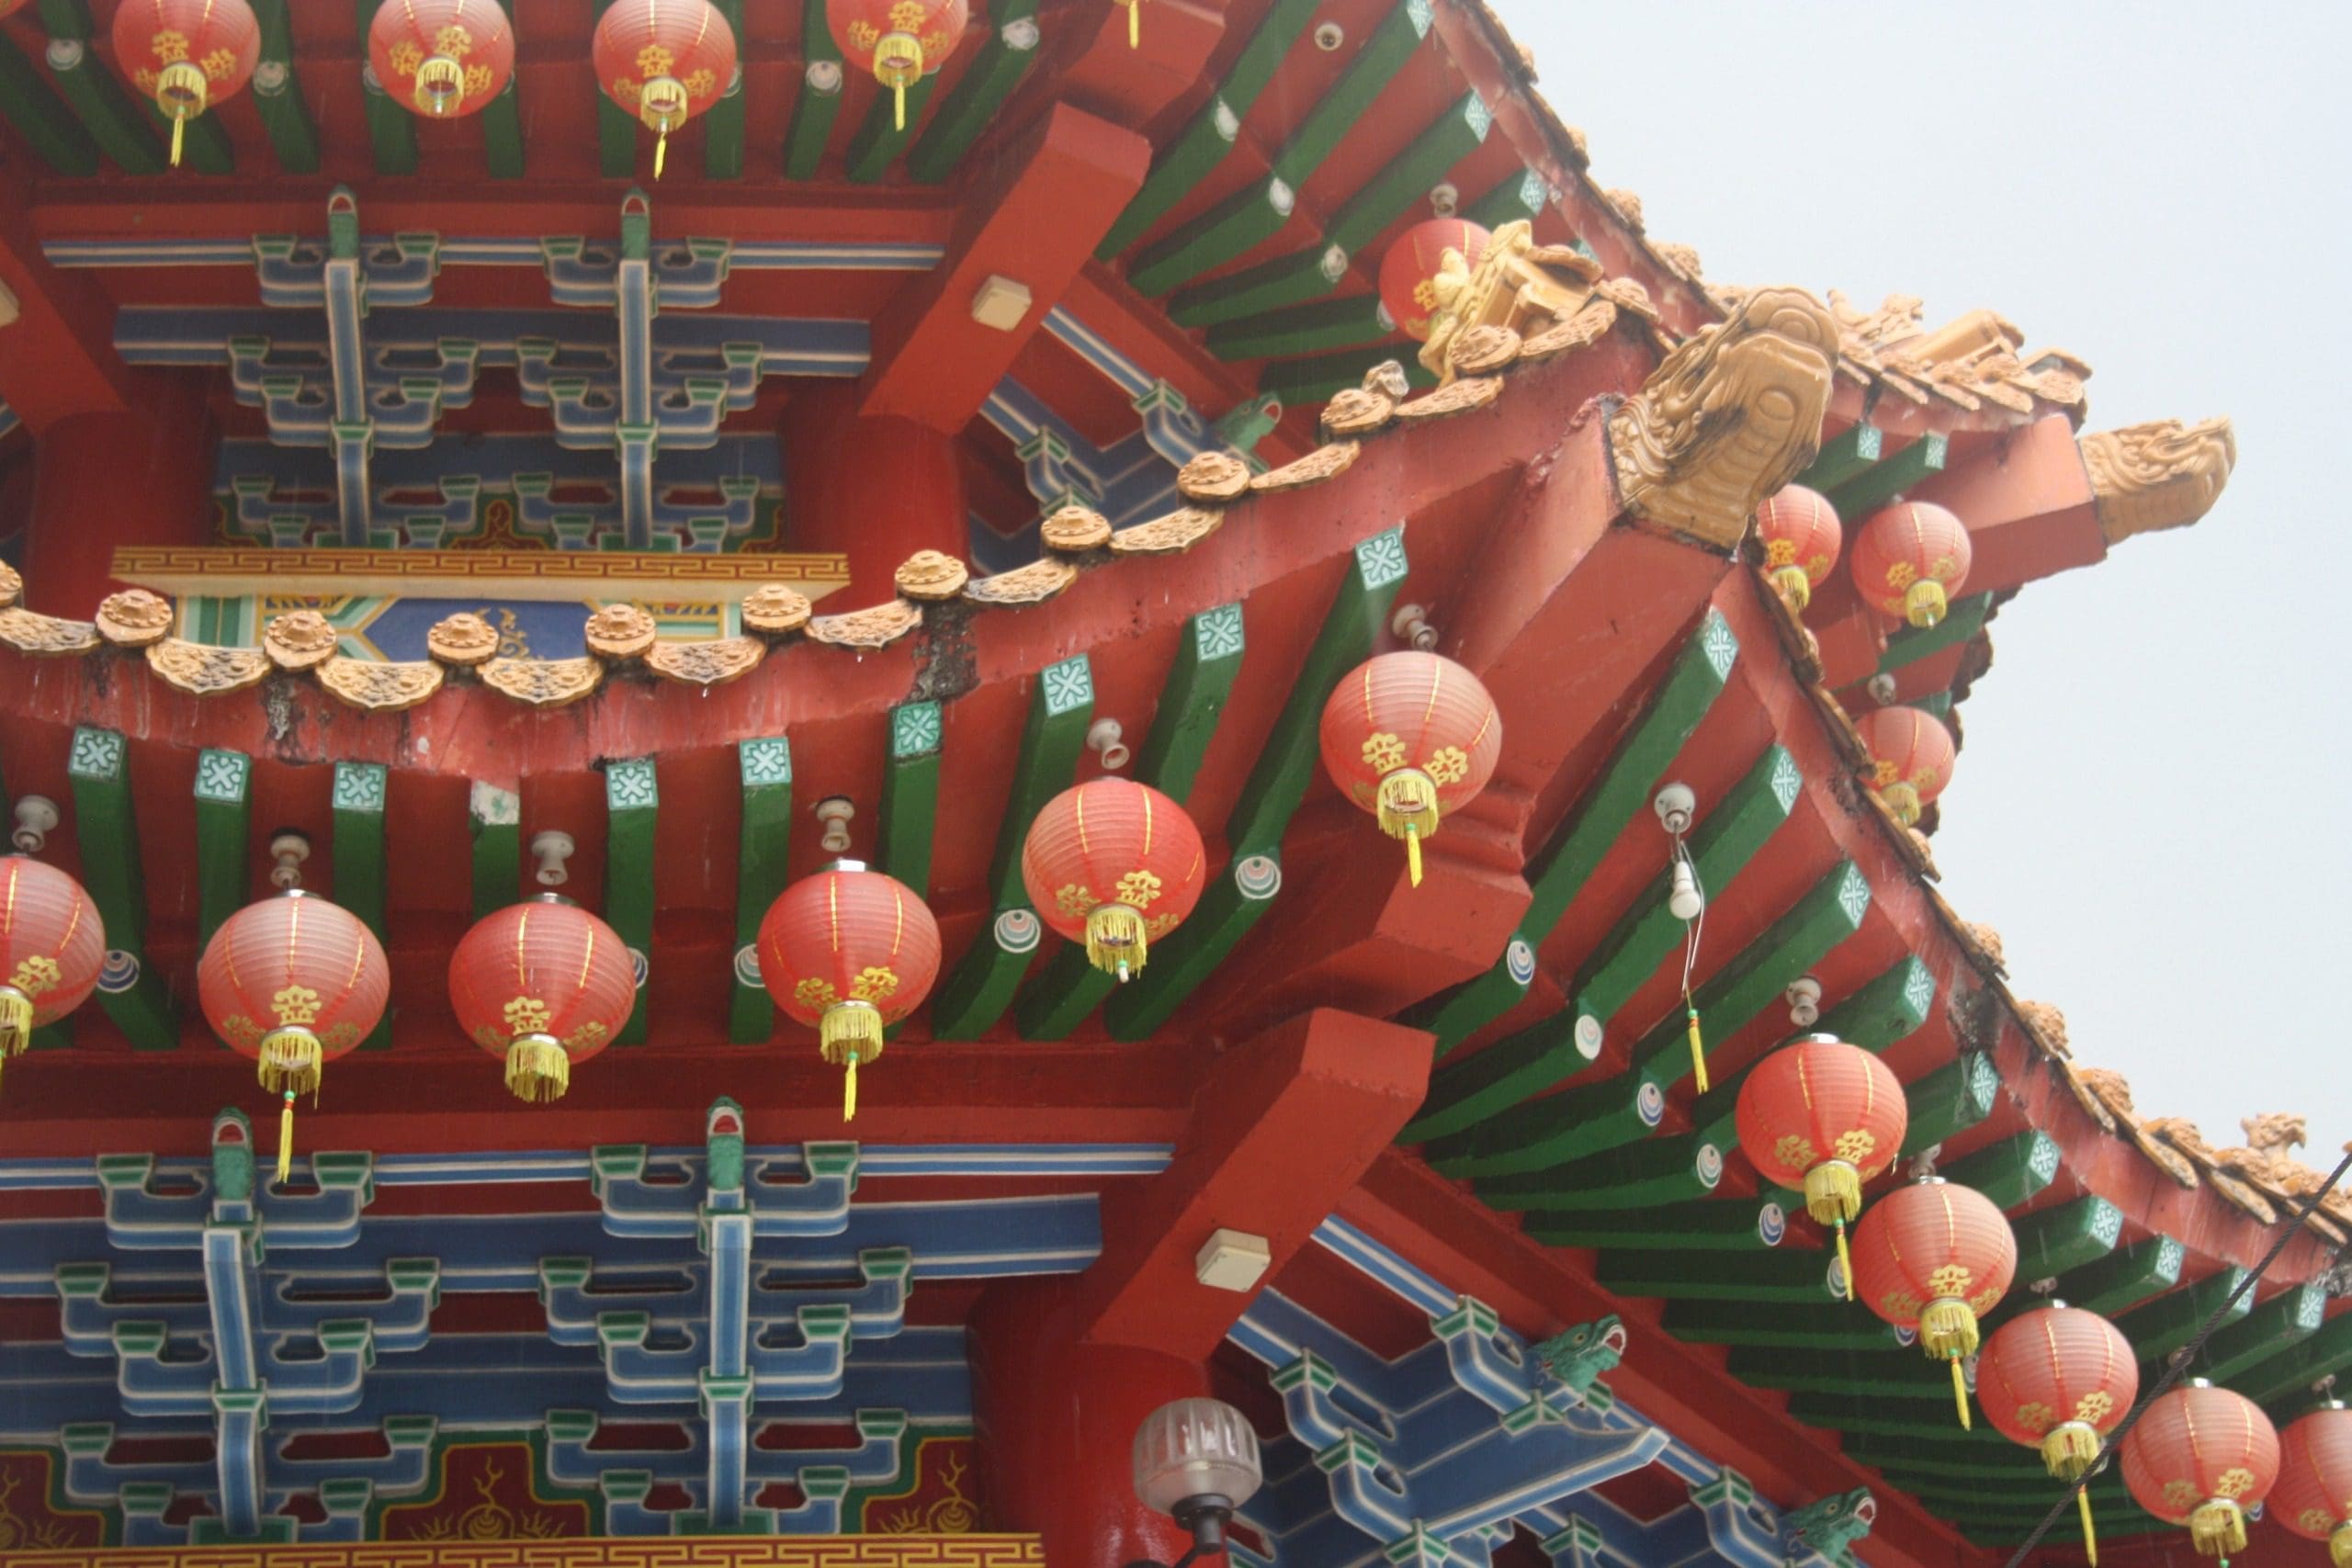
2159 1327
357 812
1516 1150
284 113
1207 660
813 112
495 819
2125 1278
1205 140
223 813
911 795
1627 780
1286 764
37 114
1701 1225
722 123
1319 267
502 123
2008 1172
881 139
1845 456
1821 1323
2289 1375
1907 645
392 130
1254 213
765 767
106 829
632 803
982 90
1953 1098
1061 707
131 133
1312 379
1889 477
1359 319
2278 1324
616 129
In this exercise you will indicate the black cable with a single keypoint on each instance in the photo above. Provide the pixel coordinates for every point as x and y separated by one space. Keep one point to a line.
2180 1365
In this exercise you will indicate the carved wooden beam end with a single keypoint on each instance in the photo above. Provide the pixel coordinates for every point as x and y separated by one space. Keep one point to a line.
1729 417
2163 474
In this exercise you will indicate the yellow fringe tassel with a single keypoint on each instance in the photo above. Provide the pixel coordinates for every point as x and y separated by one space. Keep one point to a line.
290 1060
900 89
179 136
538 1069
2090 1536
661 151
848 1033
15 1020
1698 1051
1925 604
1116 942
2217 1528
2069 1449
1793 586
1135 24
1407 810
2339 1546
1948 1328
286 1139
1904 801
1845 1260
1833 1192
1960 1395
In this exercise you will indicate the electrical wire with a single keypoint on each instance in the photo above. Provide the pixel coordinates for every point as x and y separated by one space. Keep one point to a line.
2180 1367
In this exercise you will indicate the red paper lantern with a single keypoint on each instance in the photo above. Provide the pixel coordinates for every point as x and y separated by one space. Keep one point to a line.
1824 1117
1411 737
544 985
53 945
665 61
443 57
1934 1258
901 42
1910 559
186 55
1114 864
2314 1496
1408 273
2059 1380
293 982
1911 757
849 951
1801 539
2201 1456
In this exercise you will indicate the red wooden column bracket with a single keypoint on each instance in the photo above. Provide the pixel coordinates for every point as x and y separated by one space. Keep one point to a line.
1282 1127
941 347
57 358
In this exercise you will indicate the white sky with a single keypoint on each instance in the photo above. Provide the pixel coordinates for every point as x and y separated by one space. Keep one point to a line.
2147 808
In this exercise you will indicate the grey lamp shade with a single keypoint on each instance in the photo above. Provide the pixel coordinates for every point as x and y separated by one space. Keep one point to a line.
1195 1448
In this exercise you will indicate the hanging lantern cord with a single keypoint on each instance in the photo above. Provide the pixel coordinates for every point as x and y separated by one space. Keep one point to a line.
1695 929
2181 1364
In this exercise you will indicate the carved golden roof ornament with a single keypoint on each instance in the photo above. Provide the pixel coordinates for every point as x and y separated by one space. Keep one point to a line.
1581 331
1517 284
1389 378
1628 206
1482 350
2163 474
1729 417
620 632
877 627
1032 585
12 586
712 662
1355 412
1213 478
1454 398
46 636
544 683
379 687
203 670
134 618
1682 260
772 610
1075 530
932 576
1988 942
298 639
464 639
1327 461
1172 535
2045 1026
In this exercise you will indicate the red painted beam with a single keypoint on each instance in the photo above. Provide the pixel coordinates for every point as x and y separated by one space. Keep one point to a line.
57 358
1281 1128
933 362
2027 504
1132 84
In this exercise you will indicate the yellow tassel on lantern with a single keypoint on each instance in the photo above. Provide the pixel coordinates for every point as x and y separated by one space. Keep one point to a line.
2070 1449
1793 586
2090 1536
1135 22
290 1060
2217 1528
1947 1331
286 1139
1115 940
1698 1051
538 1069
660 152
2339 1546
15 1020
1903 799
1925 604
1407 809
898 66
180 94
1959 1395
848 1033
1833 1194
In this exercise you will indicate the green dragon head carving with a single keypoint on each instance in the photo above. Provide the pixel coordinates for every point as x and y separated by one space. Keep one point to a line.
1581 1355
1830 1526
232 1157
723 1144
